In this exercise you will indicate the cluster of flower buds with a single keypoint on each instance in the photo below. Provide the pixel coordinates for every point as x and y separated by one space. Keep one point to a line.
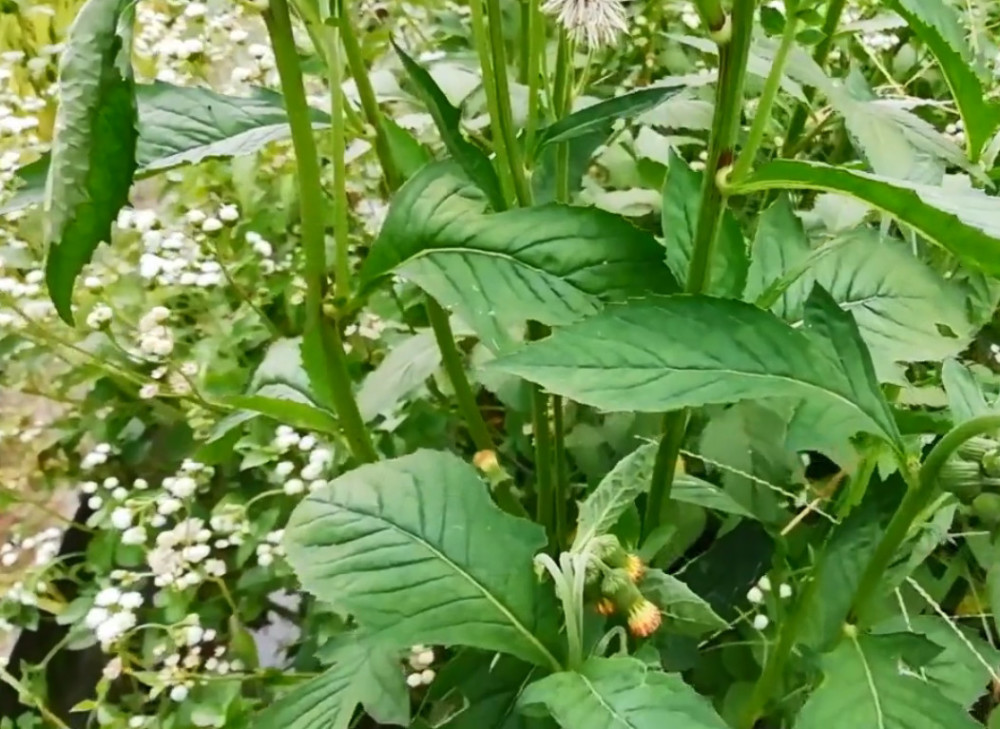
612 581
973 476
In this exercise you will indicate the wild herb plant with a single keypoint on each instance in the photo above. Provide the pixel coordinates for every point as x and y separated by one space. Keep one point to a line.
693 422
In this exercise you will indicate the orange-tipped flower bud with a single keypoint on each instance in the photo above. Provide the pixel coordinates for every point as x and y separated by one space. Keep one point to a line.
643 618
605 606
486 461
635 567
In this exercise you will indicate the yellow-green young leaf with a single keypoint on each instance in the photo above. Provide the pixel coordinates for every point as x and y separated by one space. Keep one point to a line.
864 686
937 24
620 693
686 351
551 263
93 149
364 673
965 223
417 552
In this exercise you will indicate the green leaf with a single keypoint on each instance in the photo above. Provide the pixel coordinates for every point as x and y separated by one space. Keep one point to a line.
491 686
905 311
965 223
681 203
965 396
95 123
417 551
181 125
286 405
864 686
599 115
780 254
938 25
364 672
687 613
448 119
686 351
552 263
620 693
406 367
408 153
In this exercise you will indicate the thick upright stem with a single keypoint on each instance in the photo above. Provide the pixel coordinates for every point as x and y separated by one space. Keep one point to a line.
279 27
535 48
916 500
712 14
342 265
830 22
451 357
725 125
482 42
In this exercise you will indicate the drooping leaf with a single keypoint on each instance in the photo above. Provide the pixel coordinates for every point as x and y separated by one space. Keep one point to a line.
551 263
686 612
669 352
95 123
181 125
905 311
965 396
937 24
448 120
864 686
620 693
599 115
406 367
681 203
416 550
965 223
363 673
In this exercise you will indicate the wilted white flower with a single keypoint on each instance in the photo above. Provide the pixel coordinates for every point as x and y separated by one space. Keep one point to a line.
594 22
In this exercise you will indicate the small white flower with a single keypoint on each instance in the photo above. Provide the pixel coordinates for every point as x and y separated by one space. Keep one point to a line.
764 583
149 391
760 621
294 486
113 669
121 518
95 616
169 506
312 471
108 596
211 225
178 693
307 443
594 22
131 600
755 596
784 590
95 502
99 316
229 213
134 536
140 484
414 680
426 676
284 469
89 487
316 485
137 722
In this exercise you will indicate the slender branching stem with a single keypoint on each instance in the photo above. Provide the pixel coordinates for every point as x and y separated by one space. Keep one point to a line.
312 204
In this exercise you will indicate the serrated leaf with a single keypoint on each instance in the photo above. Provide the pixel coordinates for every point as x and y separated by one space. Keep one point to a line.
681 203
417 551
552 263
938 25
965 396
95 123
965 223
864 686
686 612
780 254
598 116
685 351
620 693
363 673
448 119
286 405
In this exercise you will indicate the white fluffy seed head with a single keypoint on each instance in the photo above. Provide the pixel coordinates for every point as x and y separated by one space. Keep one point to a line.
593 22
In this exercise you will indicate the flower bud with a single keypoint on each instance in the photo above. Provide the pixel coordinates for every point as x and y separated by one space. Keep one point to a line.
605 606
643 618
486 461
976 448
634 567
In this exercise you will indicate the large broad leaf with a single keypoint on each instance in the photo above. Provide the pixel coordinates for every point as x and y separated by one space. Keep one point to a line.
965 396
906 311
448 120
553 264
965 223
681 351
181 125
620 693
93 150
599 115
937 24
865 686
687 613
363 673
681 203
416 550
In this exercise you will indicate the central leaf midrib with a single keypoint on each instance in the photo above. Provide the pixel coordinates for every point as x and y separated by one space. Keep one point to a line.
518 625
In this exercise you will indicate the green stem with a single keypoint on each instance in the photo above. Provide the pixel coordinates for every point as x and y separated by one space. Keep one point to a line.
771 87
505 116
725 125
544 509
561 495
452 360
342 263
482 43
917 497
536 48
279 28
369 103
712 14
798 122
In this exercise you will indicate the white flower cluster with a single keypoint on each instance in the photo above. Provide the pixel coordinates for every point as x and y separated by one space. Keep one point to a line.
270 548
96 457
319 457
878 41
99 317
155 339
193 653
369 326
956 130
113 614
109 492
182 557
756 595
420 661
20 594
45 545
